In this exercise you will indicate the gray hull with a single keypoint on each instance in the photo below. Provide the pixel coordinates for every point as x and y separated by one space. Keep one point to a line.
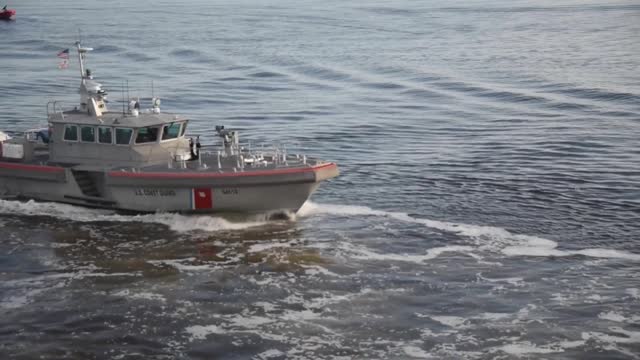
256 191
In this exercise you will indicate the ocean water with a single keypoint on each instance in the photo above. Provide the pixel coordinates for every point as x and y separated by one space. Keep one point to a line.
488 206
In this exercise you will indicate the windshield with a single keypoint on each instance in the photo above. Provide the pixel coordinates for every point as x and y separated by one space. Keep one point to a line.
170 131
147 135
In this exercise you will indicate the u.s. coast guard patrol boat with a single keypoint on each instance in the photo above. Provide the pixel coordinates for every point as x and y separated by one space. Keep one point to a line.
141 161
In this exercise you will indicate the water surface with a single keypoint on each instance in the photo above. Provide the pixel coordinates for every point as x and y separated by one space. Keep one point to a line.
488 205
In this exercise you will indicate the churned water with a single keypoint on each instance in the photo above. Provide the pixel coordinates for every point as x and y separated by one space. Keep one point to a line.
488 207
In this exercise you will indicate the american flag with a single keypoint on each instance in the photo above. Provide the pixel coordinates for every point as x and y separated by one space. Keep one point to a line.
64 54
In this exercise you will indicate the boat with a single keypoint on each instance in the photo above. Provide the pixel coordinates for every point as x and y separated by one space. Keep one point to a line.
142 160
7 14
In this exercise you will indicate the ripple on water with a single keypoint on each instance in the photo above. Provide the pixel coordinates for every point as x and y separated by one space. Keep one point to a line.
487 205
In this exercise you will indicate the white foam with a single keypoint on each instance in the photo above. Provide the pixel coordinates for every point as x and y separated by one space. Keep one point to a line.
141 295
472 231
366 254
199 332
607 254
531 251
235 324
328 299
450 321
617 317
515 281
249 321
301 315
595 298
546 251
266 306
426 333
611 316
271 353
39 280
559 297
21 292
267 246
633 292
526 347
315 270
494 316
567 344
29 288
310 208
486 237
625 337
14 302
266 281
176 222
179 264
416 352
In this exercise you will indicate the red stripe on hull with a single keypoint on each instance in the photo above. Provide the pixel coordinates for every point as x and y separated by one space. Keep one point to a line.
163 175
41 168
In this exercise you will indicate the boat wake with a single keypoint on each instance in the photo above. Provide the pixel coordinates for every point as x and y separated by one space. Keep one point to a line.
176 222
483 238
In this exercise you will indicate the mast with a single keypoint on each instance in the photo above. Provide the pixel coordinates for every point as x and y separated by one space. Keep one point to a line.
92 97
80 59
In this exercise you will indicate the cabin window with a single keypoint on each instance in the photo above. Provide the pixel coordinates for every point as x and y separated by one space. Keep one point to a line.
123 136
170 131
88 134
147 135
71 133
184 128
104 135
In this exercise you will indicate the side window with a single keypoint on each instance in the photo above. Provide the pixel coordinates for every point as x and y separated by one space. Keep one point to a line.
184 128
147 135
123 136
170 131
104 135
88 134
71 133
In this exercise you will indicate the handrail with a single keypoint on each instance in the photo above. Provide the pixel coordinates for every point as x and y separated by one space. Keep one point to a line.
48 113
54 108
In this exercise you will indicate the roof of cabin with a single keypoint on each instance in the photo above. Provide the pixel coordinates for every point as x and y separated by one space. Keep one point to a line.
113 118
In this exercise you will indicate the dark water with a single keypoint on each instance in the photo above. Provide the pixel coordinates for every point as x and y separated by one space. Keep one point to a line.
488 207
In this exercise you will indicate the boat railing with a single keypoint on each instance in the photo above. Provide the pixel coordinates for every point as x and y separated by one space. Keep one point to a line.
240 156
53 108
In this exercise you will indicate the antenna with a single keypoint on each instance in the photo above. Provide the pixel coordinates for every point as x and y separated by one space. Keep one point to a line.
128 107
152 94
123 112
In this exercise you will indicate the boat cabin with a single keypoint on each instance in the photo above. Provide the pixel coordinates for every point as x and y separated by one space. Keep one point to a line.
117 139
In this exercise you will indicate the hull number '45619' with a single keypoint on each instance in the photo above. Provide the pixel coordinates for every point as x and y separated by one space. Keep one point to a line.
155 192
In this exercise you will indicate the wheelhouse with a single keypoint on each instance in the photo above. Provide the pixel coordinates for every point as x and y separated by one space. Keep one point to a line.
149 138
104 135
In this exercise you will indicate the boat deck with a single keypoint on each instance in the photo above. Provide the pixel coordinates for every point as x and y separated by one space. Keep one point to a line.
207 163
